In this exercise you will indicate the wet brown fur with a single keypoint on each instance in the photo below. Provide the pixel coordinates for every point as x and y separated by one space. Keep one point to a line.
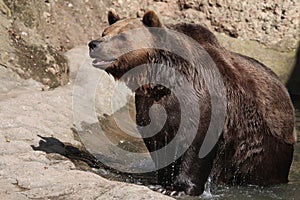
256 146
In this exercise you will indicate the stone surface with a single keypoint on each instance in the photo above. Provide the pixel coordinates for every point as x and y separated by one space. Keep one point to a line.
273 23
33 37
25 52
282 63
80 62
29 174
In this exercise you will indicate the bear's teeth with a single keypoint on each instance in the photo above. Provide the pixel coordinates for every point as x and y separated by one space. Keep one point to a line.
98 62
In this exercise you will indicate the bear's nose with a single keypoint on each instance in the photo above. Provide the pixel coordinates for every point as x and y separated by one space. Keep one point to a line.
94 44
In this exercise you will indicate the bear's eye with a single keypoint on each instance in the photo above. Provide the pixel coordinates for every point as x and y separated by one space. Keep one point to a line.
122 37
103 34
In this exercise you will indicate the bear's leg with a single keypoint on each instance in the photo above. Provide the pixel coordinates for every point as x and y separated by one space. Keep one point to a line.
194 172
263 165
275 164
167 175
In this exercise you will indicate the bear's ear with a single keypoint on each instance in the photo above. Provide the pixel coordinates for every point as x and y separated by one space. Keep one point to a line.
151 19
112 17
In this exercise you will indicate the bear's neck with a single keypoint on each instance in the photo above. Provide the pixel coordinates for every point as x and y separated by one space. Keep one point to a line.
161 70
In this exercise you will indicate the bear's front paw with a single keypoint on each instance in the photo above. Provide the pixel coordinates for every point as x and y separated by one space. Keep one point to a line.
170 192
188 187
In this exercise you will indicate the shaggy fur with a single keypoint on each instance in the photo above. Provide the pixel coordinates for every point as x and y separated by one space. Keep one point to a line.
256 145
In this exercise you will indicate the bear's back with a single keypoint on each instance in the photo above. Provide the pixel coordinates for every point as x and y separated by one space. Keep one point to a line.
196 31
245 76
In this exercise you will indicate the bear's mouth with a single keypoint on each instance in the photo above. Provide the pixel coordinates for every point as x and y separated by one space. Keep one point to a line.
102 64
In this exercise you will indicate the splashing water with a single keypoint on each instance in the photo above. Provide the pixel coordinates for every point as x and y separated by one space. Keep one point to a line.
207 191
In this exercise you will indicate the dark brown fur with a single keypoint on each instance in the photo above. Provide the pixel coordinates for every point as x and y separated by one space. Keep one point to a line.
256 146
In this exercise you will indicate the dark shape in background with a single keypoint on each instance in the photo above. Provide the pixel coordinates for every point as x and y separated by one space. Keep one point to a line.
293 83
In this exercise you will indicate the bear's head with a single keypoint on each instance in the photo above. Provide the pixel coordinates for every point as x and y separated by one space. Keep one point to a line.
162 55
124 43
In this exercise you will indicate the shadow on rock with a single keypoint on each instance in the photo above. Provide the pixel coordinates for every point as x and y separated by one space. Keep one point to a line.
83 160
53 145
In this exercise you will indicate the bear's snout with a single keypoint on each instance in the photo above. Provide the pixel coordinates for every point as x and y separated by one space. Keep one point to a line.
94 45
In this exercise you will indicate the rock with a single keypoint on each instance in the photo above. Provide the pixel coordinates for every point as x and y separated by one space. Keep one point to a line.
28 174
273 25
12 84
50 114
282 18
77 57
106 88
24 51
282 63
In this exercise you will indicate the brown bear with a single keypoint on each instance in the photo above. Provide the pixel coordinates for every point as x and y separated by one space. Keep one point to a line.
255 145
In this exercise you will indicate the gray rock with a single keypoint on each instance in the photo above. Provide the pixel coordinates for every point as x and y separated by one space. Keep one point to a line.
28 174
282 63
